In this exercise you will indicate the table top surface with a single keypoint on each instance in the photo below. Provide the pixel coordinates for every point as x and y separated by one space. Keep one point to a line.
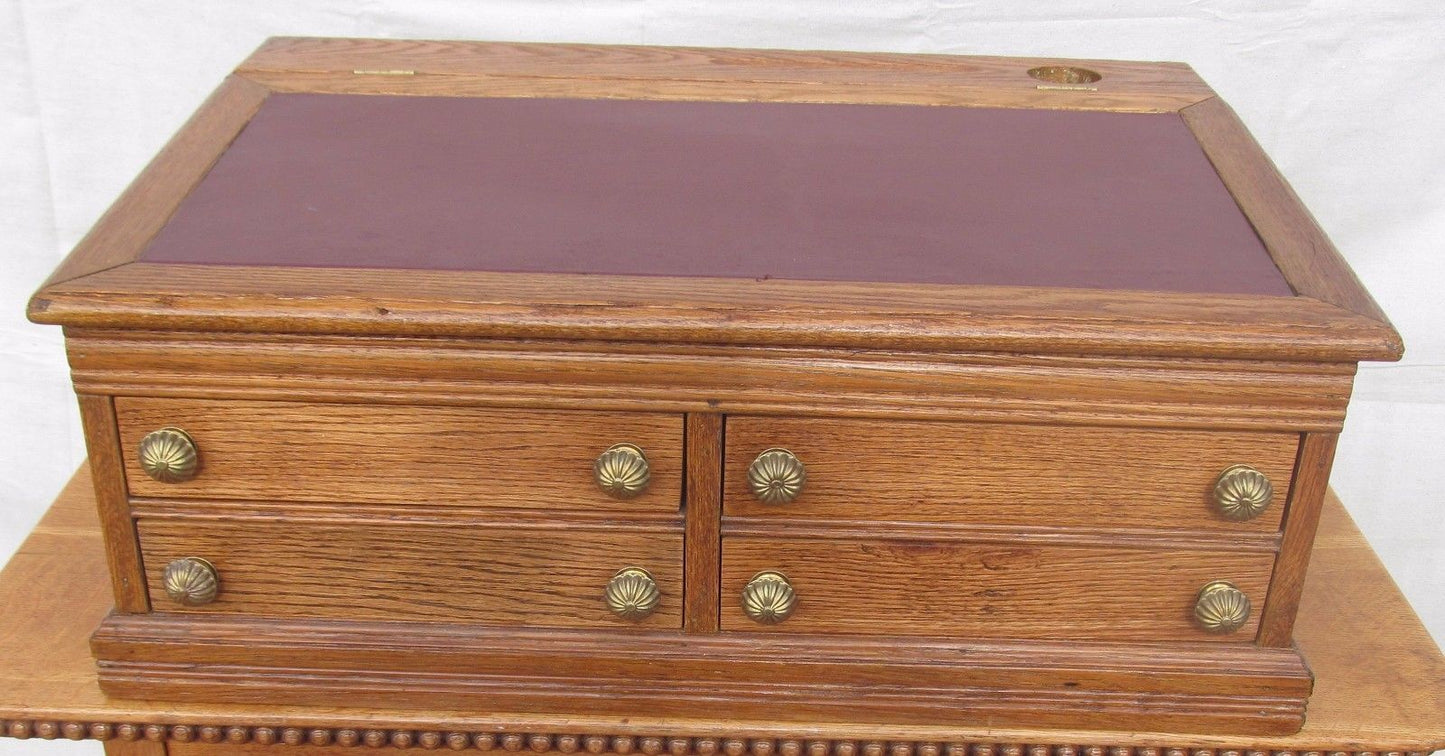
1380 679
757 190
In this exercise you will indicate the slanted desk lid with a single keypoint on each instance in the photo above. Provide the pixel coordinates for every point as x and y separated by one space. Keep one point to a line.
822 192
931 203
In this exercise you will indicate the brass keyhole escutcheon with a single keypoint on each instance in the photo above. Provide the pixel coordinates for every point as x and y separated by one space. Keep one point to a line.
1072 75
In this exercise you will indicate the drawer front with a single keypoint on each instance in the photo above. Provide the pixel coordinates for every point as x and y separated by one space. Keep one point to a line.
404 455
467 573
970 590
1006 475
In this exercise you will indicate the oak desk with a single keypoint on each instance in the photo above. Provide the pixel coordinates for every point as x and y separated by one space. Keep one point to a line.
807 386
1379 683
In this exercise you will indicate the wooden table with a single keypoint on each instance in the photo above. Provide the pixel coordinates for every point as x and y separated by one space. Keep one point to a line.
1380 683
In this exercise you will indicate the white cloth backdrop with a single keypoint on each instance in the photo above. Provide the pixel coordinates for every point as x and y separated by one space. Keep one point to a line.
1347 97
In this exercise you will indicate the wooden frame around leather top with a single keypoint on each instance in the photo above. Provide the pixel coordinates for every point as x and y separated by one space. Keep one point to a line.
1331 318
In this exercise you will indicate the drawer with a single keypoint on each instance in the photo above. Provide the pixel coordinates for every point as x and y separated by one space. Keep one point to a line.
1005 475
546 576
972 590
381 454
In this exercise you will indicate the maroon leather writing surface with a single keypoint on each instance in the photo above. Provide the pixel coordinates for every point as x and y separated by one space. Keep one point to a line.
750 190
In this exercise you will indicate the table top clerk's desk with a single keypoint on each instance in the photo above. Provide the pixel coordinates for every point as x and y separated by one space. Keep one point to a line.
1380 684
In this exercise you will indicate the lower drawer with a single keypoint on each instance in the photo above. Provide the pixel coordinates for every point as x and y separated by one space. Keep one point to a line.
487 574
972 590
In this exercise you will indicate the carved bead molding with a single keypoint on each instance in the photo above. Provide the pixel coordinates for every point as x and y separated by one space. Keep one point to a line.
624 745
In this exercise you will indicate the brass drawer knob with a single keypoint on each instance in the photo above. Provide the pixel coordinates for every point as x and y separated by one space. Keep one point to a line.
191 581
1242 492
169 455
622 471
632 594
777 476
769 598
1221 607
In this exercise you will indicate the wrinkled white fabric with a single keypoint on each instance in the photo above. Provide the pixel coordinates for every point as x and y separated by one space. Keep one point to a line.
1347 98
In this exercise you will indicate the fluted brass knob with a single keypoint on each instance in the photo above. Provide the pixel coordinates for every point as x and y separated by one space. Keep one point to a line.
777 476
1242 492
632 594
191 581
1221 607
169 455
769 598
622 471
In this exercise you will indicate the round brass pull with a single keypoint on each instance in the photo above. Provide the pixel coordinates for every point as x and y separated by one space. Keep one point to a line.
1221 607
169 455
769 598
622 471
191 581
777 476
1242 492
632 594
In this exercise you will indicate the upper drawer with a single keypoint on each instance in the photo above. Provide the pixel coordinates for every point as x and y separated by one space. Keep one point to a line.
378 454
1008 475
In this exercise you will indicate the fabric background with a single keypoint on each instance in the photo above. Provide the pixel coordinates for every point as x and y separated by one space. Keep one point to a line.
1347 98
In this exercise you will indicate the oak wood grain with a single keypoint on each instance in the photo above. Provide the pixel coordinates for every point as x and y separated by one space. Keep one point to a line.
770 312
892 587
239 660
487 575
404 455
1015 388
702 512
1012 535
140 211
102 438
800 704
1306 499
136 748
1004 475
558 70
155 644
1376 671
1308 259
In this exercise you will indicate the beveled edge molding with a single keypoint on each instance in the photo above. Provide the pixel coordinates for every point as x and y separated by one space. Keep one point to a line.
624 745
1030 389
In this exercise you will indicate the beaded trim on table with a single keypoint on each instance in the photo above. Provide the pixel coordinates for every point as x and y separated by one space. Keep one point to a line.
600 744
